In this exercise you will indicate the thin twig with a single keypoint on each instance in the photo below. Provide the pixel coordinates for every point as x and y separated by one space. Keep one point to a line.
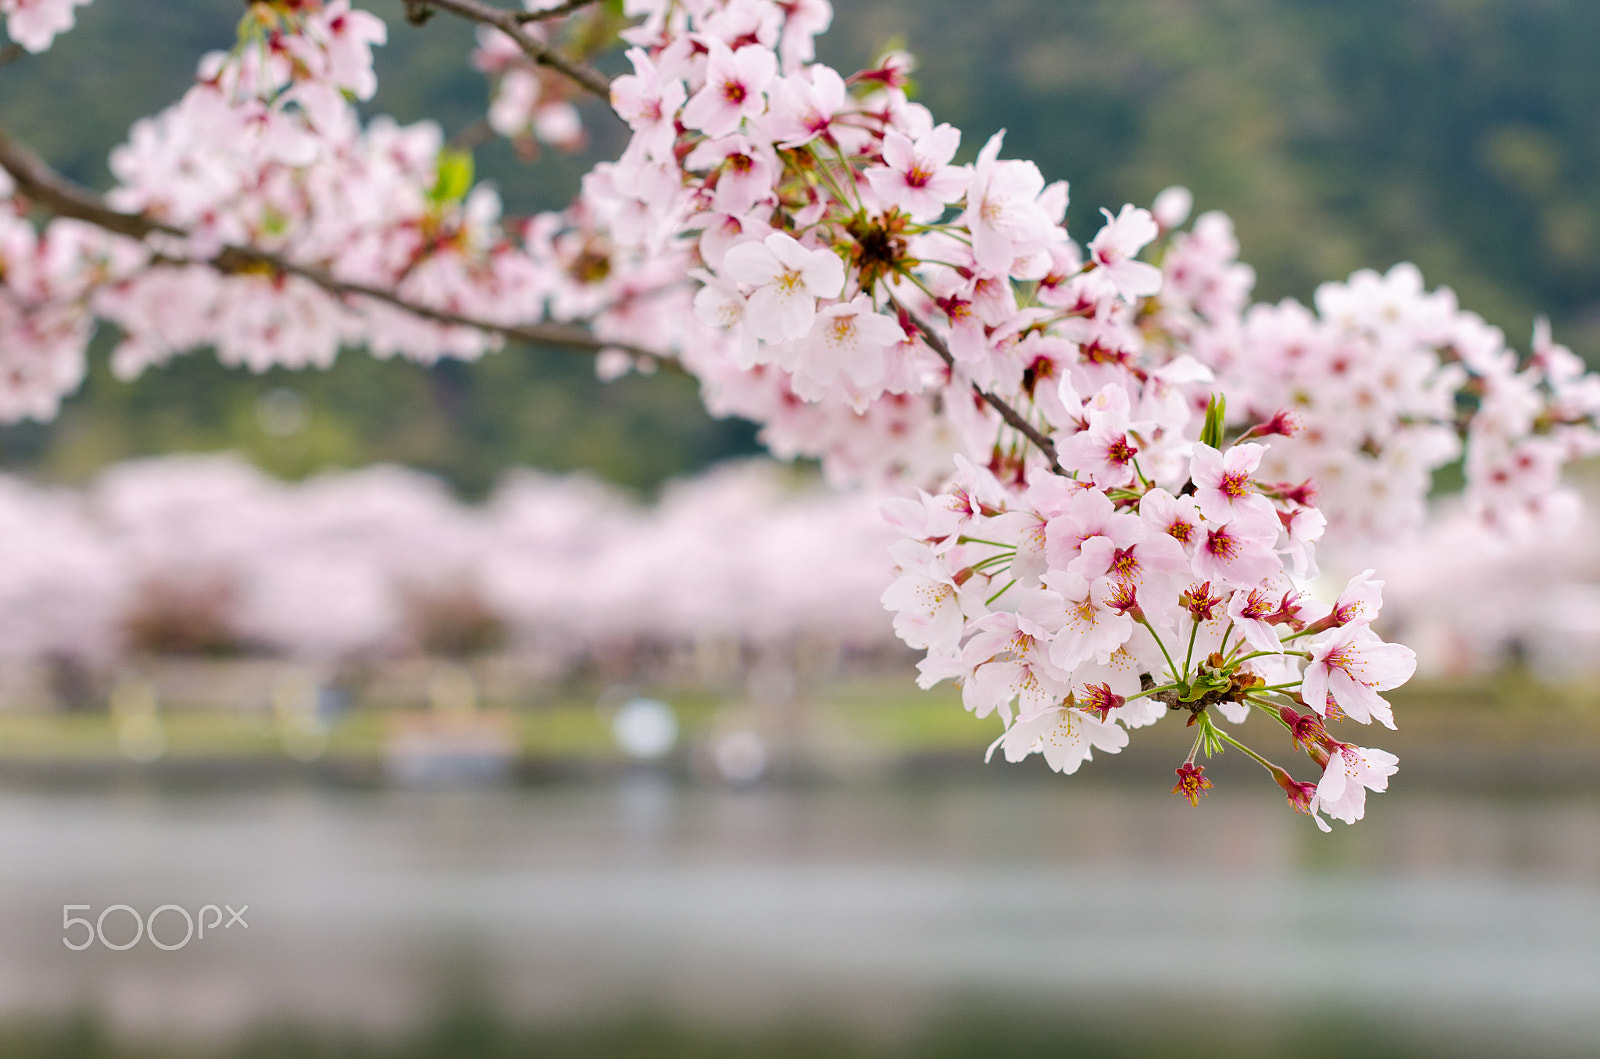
1012 417
510 23
11 53
49 189
465 139
559 11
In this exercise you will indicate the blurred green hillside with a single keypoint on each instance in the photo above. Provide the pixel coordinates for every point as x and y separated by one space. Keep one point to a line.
1460 134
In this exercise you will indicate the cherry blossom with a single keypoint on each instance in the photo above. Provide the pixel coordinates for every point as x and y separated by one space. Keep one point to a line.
1008 212
1222 486
917 176
648 103
787 279
1351 772
734 89
1349 666
1115 248
1065 736
34 24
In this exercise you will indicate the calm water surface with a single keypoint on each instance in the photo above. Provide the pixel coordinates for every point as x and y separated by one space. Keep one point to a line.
875 905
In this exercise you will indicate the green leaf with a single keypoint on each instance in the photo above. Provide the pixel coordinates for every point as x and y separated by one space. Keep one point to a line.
454 177
1211 433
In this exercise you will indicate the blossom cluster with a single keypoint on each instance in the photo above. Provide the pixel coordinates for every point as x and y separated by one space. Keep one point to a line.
1390 383
1085 607
266 154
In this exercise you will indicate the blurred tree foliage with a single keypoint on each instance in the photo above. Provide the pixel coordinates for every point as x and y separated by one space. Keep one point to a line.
1460 134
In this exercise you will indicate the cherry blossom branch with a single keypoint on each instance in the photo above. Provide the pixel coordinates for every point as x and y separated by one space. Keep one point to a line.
510 23
55 193
1012 417
11 53
45 187
559 11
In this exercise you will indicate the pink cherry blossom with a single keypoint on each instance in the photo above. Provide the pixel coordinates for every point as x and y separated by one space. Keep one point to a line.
917 176
1004 211
347 37
1091 629
1223 489
802 108
926 599
34 24
1065 736
734 89
745 172
1350 666
1114 251
1351 772
648 104
849 338
1177 517
788 279
1232 553
1106 451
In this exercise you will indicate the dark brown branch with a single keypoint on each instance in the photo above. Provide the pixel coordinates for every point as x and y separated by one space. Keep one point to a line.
50 190
510 23
45 187
11 53
559 11
1013 418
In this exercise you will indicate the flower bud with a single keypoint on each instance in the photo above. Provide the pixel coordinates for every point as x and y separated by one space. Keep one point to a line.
1286 422
1298 793
1306 729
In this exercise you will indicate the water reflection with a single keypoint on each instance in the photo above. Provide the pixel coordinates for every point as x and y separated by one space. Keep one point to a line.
1476 918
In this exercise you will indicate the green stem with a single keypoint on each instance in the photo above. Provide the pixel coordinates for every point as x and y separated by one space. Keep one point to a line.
1209 731
979 540
1231 741
901 270
1142 479
1267 709
855 191
1000 593
1152 691
823 170
1176 676
1257 654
